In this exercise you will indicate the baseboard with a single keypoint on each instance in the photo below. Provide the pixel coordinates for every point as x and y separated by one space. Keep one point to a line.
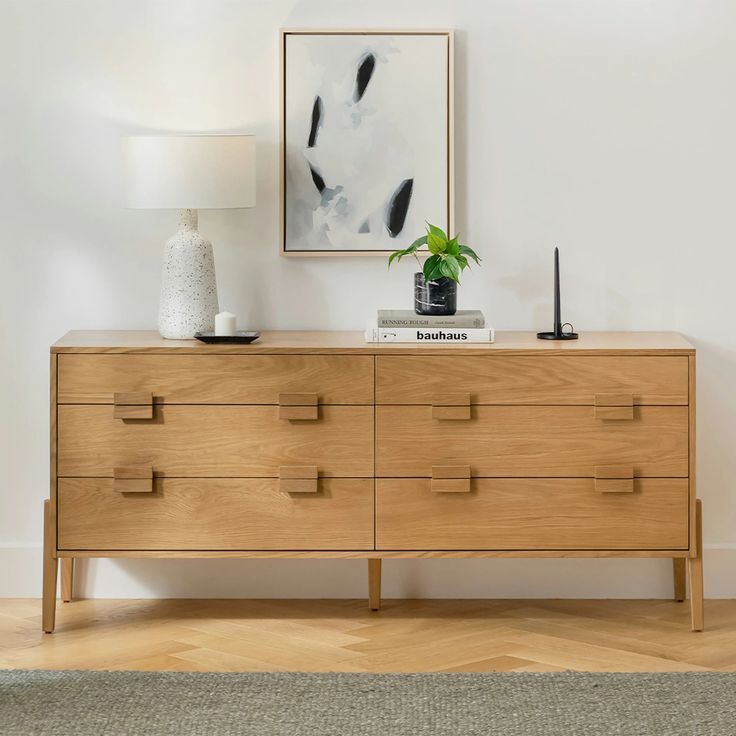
20 577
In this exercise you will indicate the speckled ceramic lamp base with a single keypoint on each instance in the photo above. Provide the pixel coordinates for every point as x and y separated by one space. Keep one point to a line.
188 287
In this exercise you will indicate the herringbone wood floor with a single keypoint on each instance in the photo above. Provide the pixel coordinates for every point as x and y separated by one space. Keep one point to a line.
321 635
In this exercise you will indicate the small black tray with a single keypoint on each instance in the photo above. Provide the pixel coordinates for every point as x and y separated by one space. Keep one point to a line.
238 337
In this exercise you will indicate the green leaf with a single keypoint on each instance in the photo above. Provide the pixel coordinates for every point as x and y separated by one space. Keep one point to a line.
452 247
399 254
451 269
434 230
430 265
465 251
463 261
436 243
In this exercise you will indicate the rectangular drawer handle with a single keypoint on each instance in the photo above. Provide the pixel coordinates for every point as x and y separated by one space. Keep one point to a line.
298 406
133 405
133 479
451 406
615 407
614 478
298 478
450 479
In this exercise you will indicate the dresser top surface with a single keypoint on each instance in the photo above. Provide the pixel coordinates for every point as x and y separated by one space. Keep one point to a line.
306 342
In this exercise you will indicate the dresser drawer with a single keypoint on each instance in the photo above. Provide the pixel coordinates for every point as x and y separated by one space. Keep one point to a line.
532 379
215 379
531 514
215 514
526 441
215 441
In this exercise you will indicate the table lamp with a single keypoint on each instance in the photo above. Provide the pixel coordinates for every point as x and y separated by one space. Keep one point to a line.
189 173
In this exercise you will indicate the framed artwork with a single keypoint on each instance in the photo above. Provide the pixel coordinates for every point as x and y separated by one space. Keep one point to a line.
366 139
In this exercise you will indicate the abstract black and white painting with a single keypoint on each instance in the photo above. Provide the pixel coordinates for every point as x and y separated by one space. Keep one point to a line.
366 139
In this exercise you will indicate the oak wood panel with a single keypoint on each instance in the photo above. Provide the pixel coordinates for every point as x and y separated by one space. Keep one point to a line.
216 379
526 441
375 554
216 513
524 513
224 441
532 379
353 342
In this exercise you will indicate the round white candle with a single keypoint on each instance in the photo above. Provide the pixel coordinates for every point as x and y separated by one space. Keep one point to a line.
225 324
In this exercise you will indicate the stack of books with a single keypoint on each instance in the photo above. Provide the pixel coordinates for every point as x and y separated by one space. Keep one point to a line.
404 325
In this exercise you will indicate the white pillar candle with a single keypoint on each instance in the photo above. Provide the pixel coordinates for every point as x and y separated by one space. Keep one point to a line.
225 324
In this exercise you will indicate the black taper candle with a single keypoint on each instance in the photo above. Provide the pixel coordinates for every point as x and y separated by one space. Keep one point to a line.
557 333
558 318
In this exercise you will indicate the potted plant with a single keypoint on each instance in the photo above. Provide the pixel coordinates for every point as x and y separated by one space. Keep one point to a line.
435 285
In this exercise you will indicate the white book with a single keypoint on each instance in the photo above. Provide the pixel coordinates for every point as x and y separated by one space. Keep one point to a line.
427 334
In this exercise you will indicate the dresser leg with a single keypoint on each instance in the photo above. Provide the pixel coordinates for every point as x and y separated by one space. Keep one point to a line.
374 584
50 565
695 573
678 574
67 579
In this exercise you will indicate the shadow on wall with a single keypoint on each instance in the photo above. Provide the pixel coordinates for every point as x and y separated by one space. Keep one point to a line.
438 578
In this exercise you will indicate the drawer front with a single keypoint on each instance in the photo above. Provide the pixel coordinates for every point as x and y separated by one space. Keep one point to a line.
532 379
215 514
531 514
531 441
215 441
215 379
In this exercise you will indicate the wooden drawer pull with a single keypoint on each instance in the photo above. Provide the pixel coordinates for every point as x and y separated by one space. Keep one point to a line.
450 479
614 479
614 406
133 479
298 478
298 406
451 406
133 405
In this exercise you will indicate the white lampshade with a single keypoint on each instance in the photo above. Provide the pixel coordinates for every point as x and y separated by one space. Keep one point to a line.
190 171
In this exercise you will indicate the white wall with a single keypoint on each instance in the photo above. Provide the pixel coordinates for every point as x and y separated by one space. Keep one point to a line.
606 127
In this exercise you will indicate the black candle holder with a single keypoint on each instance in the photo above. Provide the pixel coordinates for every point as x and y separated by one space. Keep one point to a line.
557 333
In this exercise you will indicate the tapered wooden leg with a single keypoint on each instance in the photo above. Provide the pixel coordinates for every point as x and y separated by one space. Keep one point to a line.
50 565
695 573
678 575
67 579
374 584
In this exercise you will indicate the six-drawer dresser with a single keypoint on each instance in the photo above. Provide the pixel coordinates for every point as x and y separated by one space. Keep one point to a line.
316 444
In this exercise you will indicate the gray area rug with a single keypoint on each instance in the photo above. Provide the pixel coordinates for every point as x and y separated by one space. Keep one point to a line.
37 703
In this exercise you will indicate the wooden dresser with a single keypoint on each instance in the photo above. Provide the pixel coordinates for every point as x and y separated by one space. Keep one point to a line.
316 444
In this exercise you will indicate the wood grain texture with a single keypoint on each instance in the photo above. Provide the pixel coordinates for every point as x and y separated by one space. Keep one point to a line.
614 407
532 441
343 635
66 568
225 441
428 554
614 478
217 513
692 455
50 570
374 584
304 342
695 572
133 479
529 422
538 514
216 379
133 404
529 379
679 567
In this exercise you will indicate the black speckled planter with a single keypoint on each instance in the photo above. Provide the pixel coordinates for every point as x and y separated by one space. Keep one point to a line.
436 297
